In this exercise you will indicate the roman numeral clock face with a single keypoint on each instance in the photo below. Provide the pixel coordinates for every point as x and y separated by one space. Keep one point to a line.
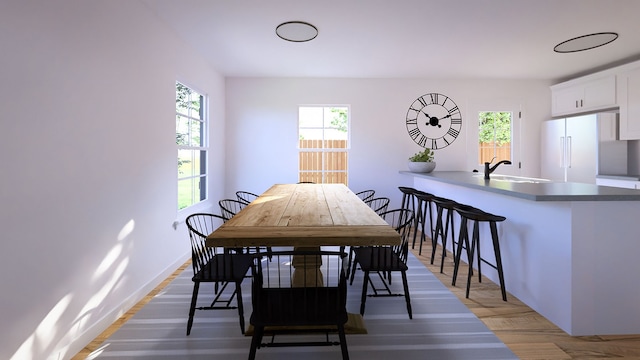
434 121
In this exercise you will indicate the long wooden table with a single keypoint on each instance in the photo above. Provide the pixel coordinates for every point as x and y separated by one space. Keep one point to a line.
305 215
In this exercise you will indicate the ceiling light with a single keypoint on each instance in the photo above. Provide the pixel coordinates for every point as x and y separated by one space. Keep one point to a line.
296 31
585 42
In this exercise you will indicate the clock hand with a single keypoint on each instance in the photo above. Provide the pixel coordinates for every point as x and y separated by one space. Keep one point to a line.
433 121
444 117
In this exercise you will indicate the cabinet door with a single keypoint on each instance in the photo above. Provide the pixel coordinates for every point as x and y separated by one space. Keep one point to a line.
584 96
629 101
600 94
553 141
582 149
607 127
567 100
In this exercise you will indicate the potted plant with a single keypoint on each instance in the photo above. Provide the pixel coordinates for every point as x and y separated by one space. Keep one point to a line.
422 162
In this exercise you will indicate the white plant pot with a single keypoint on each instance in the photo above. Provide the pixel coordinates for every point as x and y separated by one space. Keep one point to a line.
422 167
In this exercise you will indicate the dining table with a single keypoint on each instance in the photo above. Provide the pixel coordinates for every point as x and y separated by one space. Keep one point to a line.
306 217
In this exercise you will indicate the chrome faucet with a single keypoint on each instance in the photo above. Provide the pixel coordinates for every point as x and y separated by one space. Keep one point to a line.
489 169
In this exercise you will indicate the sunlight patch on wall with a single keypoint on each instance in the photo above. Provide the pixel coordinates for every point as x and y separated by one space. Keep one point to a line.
115 252
127 229
45 334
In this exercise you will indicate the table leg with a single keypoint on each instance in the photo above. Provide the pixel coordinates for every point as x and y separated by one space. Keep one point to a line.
307 268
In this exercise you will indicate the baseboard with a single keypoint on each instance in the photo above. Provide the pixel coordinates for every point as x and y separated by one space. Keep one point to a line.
102 324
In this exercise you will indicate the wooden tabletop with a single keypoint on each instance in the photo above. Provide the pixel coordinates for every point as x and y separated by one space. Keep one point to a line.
305 215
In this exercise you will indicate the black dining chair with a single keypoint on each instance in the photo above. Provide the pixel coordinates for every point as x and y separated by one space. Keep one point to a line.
291 295
365 195
214 265
246 196
229 208
384 260
380 206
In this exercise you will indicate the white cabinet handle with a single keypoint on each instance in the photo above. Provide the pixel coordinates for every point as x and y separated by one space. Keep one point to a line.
568 151
562 151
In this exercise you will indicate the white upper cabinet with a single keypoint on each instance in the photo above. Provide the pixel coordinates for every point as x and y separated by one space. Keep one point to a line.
583 95
618 87
629 101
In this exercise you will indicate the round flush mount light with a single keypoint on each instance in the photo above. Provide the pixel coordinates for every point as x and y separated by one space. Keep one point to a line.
585 42
296 31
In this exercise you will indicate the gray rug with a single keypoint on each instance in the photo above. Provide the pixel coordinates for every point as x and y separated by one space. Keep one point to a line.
442 327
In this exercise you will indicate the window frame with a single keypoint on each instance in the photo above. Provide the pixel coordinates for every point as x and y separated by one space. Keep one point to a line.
495 148
324 151
200 193
473 138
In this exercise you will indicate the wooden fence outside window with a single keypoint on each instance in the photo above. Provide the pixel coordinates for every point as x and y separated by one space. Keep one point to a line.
323 161
489 150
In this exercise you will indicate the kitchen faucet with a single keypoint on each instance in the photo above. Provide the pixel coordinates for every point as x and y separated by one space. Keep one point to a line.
489 169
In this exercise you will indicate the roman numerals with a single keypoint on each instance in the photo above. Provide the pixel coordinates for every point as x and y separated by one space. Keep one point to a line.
433 99
453 132
414 133
434 121
417 136
433 142
422 141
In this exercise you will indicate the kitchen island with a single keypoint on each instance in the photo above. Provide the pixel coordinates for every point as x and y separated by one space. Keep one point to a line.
568 249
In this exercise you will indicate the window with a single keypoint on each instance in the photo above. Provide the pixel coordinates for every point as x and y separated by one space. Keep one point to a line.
323 143
495 136
191 127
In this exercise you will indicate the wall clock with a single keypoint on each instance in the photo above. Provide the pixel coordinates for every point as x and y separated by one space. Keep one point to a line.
434 121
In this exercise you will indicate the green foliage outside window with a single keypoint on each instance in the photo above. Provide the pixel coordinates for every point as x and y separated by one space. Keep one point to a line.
192 154
339 120
495 127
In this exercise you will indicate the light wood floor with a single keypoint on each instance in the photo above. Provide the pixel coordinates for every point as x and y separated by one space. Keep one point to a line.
95 344
529 335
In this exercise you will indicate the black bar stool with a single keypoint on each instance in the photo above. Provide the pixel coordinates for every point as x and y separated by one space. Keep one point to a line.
444 225
469 213
409 203
424 209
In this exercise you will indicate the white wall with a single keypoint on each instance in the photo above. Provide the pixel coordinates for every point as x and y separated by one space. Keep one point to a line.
88 185
262 126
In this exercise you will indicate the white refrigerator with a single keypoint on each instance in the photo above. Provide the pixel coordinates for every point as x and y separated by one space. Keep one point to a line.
569 149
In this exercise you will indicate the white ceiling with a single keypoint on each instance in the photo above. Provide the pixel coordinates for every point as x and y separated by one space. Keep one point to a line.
511 39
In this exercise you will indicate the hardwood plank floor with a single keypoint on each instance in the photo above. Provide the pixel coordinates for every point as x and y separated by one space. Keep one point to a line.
526 333
441 327
95 344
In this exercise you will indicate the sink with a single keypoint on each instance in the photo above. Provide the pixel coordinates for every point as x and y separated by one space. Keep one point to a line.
513 179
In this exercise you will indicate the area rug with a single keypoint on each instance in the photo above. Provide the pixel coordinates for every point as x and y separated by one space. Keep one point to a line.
441 328
354 325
